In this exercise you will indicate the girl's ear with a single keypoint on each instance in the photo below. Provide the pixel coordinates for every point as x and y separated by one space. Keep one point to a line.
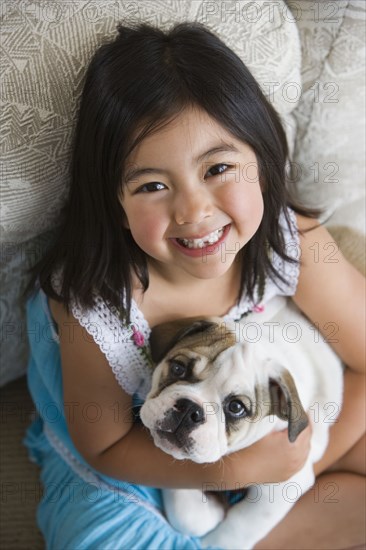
125 223
262 185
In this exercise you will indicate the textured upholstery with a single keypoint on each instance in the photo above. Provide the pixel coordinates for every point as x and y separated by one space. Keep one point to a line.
330 141
47 46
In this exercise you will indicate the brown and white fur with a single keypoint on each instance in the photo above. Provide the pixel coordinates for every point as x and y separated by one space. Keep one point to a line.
213 394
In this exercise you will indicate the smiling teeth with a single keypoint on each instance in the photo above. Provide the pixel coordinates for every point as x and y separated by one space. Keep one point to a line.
211 238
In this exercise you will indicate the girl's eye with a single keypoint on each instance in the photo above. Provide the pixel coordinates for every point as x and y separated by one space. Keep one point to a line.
217 169
150 187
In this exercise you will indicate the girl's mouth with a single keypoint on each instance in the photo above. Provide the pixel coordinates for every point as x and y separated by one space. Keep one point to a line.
211 238
204 245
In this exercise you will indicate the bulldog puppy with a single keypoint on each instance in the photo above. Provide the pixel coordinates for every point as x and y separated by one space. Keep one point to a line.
213 394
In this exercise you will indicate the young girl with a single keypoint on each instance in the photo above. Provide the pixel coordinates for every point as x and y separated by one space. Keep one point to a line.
178 208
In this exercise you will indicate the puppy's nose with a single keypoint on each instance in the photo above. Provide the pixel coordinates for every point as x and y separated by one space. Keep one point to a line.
190 413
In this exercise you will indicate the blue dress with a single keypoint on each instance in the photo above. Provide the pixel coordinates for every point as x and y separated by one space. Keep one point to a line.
82 508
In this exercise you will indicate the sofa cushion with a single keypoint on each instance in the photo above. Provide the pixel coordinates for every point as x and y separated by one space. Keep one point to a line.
47 47
330 141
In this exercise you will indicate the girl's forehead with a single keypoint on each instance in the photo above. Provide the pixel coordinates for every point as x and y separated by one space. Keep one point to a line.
190 130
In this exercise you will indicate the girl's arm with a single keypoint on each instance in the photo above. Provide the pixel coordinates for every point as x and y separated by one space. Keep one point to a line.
113 444
331 293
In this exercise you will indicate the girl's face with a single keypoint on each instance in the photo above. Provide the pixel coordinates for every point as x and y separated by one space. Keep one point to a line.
192 196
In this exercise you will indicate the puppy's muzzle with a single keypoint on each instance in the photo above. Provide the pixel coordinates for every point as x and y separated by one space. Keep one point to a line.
181 420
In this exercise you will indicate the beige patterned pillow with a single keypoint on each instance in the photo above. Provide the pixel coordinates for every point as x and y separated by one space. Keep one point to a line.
330 142
46 48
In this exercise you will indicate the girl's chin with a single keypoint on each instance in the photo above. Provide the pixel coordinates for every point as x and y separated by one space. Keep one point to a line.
209 269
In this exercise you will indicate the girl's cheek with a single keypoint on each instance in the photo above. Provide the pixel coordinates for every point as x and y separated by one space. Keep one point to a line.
145 226
242 196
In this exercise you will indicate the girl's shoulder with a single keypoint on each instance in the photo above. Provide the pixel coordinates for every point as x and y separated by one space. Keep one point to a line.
123 344
288 269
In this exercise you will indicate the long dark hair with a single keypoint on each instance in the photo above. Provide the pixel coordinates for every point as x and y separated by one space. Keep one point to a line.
142 80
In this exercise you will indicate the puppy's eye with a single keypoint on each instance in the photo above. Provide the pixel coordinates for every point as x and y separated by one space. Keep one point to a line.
177 369
236 408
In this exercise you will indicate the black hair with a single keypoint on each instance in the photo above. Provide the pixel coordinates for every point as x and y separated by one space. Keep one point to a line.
140 81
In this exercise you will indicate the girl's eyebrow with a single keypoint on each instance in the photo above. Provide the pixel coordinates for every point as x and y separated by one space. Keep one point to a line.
134 173
222 148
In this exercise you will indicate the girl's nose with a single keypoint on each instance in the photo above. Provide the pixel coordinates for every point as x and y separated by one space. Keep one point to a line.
192 206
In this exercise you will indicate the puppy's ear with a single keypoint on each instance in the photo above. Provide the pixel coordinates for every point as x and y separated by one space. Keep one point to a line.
165 336
286 404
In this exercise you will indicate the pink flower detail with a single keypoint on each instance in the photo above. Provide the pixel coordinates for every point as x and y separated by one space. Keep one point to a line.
137 337
258 308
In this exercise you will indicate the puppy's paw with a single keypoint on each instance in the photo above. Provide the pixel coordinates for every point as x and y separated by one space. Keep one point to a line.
218 538
192 512
235 532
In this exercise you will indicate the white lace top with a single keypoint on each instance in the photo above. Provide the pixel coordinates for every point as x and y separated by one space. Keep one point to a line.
129 361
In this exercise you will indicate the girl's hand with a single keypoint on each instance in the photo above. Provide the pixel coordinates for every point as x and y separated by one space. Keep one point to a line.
271 459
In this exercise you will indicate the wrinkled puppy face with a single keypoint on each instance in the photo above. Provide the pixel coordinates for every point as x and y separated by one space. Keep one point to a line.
204 394
211 395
